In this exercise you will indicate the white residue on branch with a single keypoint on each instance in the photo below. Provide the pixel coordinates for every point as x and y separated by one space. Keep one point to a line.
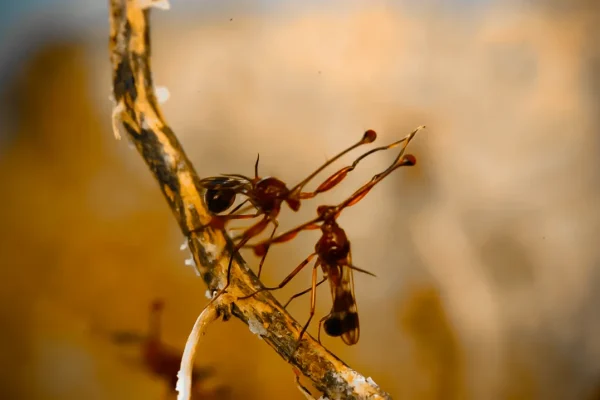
357 382
211 250
116 118
159 4
256 327
372 382
162 94
190 262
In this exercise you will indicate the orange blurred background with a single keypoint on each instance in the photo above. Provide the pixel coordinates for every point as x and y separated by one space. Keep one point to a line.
486 252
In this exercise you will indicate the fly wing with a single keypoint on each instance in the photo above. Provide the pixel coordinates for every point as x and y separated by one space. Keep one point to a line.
237 183
343 319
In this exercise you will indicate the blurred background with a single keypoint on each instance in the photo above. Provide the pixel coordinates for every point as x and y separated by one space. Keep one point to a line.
486 252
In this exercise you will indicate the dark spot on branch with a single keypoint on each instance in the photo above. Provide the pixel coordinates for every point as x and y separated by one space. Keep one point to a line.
155 157
123 80
140 62
207 277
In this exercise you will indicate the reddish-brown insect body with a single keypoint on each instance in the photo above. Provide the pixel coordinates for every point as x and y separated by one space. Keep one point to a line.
266 196
333 249
270 193
333 246
334 255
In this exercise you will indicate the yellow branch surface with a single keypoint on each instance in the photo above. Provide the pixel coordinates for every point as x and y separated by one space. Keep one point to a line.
136 108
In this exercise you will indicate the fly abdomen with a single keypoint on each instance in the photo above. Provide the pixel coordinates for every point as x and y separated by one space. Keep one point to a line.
344 324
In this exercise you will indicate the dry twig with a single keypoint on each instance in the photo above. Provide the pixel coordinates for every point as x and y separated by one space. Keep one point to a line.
137 109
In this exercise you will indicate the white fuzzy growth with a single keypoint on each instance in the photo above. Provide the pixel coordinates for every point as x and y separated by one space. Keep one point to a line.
190 262
371 382
357 382
168 159
160 4
208 294
211 251
116 119
162 94
184 245
257 328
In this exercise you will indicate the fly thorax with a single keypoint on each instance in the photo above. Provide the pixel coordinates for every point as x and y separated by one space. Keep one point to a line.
270 192
335 252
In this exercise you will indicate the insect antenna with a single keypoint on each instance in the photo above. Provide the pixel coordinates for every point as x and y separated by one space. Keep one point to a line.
256 166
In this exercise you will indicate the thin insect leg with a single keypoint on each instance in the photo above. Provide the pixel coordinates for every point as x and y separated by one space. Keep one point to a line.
340 175
260 247
401 161
251 232
264 256
237 228
237 208
325 318
219 221
287 278
226 218
241 216
240 236
405 141
368 137
254 230
313 302
360 193
302 293
336 178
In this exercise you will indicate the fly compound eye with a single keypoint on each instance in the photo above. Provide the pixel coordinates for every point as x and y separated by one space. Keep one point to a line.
219 200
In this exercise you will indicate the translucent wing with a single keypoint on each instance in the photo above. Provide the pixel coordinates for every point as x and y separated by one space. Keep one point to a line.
343 319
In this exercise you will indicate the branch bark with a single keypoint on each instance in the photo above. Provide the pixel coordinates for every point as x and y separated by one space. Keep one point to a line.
136 108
